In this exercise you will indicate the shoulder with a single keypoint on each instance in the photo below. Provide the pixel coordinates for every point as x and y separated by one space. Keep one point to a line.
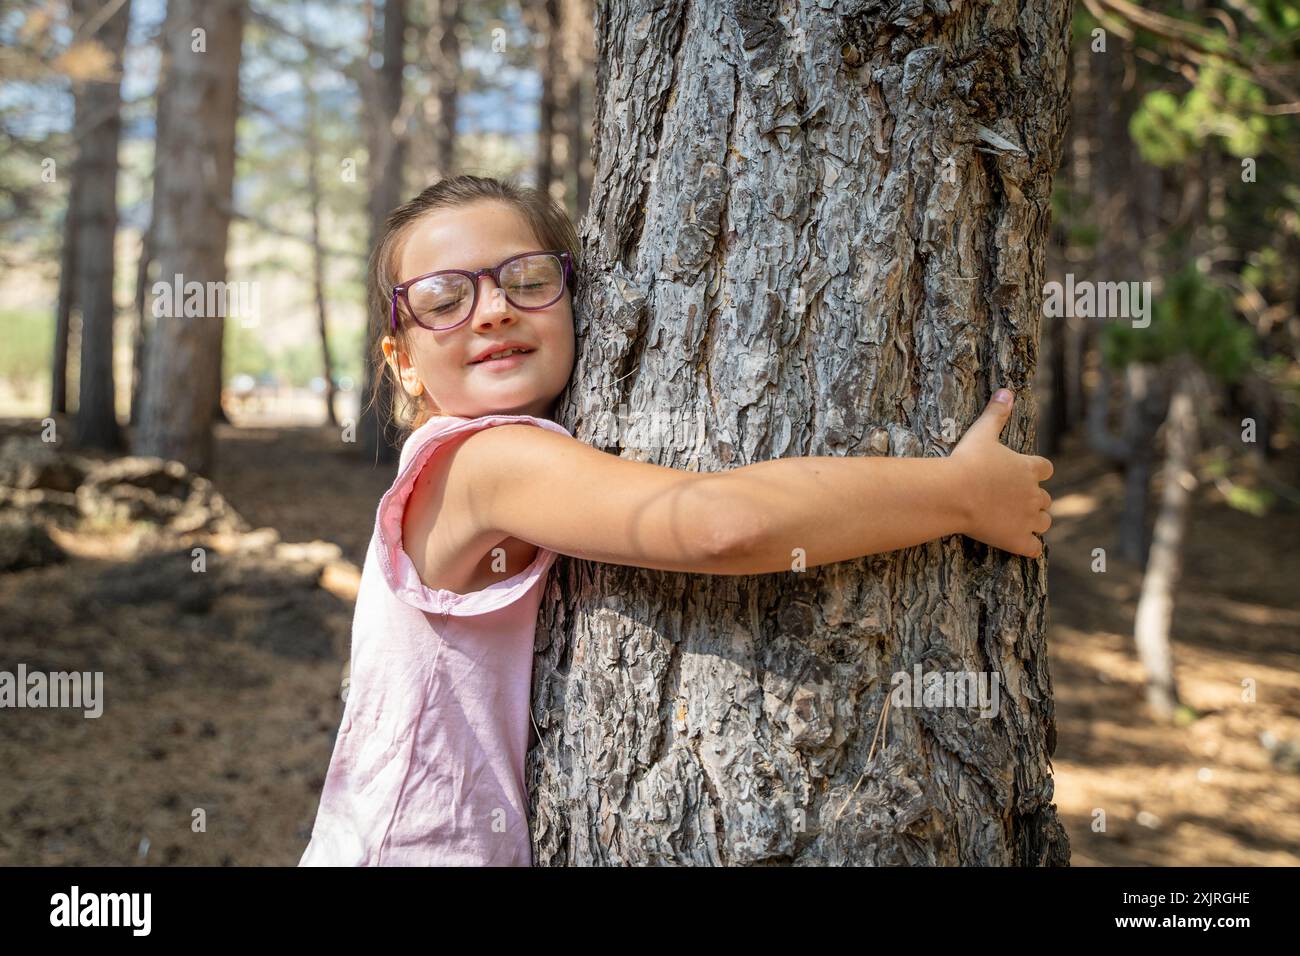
430 532
447 432
511 443
449 463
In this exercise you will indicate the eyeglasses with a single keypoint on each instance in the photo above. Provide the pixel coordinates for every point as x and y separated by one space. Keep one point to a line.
442 300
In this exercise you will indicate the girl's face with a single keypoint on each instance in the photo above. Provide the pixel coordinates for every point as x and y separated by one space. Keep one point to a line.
439 366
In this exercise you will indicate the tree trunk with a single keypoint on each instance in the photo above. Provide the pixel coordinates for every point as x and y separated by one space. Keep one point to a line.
191 226
1052 389
139 327
98 124
578 59
139 324
1101 438
317 252
551 68
446 72
385 167
1155 605
780 261
66 303
1146 398
140 340
219 416
1077 332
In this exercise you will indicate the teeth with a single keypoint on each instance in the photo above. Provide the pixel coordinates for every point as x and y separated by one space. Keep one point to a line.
497 355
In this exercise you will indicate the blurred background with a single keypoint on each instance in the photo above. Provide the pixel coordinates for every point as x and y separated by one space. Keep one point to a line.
1174 611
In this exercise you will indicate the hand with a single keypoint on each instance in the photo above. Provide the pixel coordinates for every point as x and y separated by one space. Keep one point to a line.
1003 504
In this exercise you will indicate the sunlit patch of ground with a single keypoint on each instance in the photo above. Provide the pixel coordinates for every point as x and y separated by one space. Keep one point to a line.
199 715
1204 794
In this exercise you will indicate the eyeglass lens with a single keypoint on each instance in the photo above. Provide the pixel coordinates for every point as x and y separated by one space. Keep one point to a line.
532 282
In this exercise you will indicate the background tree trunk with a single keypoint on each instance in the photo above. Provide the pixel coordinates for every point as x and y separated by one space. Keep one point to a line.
442 109
577 18
65 303
315 200
1146 398
781 261
546 24
99 125
139 323
387 162
143 321
191 226
1052 387
1156 604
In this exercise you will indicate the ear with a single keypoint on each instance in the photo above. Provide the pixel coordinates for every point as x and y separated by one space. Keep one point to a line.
400 362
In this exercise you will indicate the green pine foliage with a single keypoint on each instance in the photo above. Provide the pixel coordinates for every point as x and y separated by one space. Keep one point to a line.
1193 316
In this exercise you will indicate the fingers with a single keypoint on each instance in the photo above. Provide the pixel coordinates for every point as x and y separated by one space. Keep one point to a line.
1033 547
999 409
1042 467
993 418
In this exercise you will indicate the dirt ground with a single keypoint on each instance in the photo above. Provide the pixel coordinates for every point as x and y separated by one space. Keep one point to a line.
1208 793
221 727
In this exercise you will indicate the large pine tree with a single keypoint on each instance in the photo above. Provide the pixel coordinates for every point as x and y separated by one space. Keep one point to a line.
820 235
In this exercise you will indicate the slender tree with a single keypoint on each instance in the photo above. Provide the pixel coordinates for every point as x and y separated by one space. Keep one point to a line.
192 218
442 109
579 60
382 90
315 202
548 27
64 305
94 222
1151 626
140 320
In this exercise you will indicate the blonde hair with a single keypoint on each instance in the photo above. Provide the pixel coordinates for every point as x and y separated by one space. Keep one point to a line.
549 222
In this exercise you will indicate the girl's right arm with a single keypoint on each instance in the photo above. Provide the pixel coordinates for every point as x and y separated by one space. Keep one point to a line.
558 493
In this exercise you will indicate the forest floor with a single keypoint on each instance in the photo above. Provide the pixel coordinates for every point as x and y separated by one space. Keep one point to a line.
1224 790
224 704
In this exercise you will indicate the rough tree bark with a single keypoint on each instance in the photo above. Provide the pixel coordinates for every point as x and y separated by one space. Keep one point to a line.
781 259
182 369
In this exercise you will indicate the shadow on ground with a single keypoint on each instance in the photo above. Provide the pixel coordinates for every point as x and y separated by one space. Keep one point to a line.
222 688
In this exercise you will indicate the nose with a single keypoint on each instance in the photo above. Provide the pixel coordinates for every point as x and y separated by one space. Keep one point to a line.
492 308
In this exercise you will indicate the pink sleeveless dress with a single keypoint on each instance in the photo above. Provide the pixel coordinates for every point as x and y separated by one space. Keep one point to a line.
428 766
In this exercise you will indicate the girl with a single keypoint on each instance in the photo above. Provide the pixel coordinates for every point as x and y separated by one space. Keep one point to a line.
472 282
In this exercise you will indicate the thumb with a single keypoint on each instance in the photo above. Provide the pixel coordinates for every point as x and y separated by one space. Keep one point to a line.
994 417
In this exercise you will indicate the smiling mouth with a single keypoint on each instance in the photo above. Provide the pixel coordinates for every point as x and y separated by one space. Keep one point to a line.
505 353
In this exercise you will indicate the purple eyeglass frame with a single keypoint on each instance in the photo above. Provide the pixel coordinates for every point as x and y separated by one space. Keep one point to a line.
568 278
